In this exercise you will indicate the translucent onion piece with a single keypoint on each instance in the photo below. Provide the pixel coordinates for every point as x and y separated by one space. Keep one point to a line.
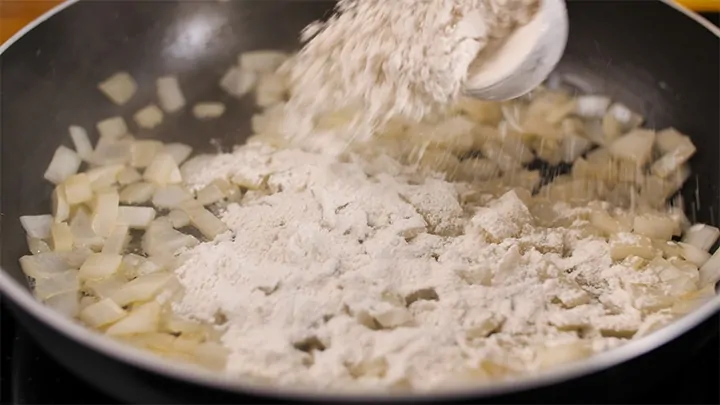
112 128
163 171
211 355
179 152
62 237
654 226
271 89
701 236
66 303
81 141
149 117
207 223
60 206
144 319
162 239
179 218
99 265
238 82
141 289
169 94
111 151
710 270
635 146
137 193
119 87
671 161
37 226
105 176
136 217
208 110
83 233
78 189
264 61
37 246
43 265
105 214
101 313
65 162
670 139
128 175
171 196
118 239
209 194
694 255
57 283
106 287
592 106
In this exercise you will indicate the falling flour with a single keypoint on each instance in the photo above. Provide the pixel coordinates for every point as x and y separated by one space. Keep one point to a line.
393 58
345 276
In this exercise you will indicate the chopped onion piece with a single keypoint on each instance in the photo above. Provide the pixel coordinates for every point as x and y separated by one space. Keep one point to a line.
208 110
112 128
210 194
136 217
141 289
37 226
60 206
694 255
573 147
104 177
701 236
105 214
163 171
102 313
83 234
169 94
107 286
65 162
207 223
626 117
143 152
271 89
654 226
67 303
144 319
265 61
81 140
62 237
37 246
43 265
635 146
78 189
162 239
149 117
118 239
179 152
179 218
211 355
128 175
99 265
57 283
671 139
119 87
238 82
671 161
592 106
137 193
710 270
110 151
171 196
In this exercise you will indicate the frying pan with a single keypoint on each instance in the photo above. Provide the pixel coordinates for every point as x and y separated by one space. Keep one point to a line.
658 59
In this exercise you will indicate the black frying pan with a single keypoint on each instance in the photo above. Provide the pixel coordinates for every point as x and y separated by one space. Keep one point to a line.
658 60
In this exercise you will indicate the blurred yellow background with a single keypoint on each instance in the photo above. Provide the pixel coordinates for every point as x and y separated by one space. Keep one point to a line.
14 14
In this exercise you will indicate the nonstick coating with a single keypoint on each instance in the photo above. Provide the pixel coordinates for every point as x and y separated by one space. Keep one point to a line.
646 54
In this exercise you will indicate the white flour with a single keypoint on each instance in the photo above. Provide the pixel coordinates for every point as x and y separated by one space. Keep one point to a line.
352 280
393 58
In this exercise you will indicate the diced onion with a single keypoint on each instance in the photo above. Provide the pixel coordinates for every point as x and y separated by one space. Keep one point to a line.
271 89
208 110
694 255
81 140
211 355
105 176
149 117
137 193
99 265
62 237
136 217
37 246
265 61
701 236
65 162
111 151
169 94
105 214
144 319
207 223
119 87
105 287
43 265
635 146
143 152
57 283
83 234
171 196
78 189
238 82
592 106
37 226
128 175
112 128
101 313
162 239
163 171
141 289
179 218
66 303
60 206
710 270
118 240
210 194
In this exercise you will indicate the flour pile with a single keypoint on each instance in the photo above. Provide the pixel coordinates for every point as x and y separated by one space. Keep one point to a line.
393 58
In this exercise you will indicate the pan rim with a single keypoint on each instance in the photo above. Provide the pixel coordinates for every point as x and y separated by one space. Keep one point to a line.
138 358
